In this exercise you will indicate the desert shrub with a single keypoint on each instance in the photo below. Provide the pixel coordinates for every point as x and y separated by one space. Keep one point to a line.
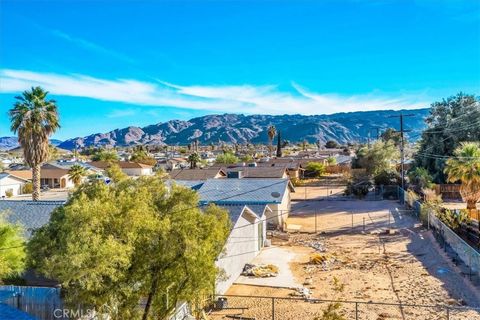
9 193
332 312
28 188
357 188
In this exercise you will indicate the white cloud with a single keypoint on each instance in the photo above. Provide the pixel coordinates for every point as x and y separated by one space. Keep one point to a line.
243 98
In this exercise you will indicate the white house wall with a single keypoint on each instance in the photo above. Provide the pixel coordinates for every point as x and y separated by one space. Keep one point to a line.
9 183
241 248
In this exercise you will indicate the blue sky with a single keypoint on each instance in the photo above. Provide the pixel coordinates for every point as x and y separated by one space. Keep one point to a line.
111 64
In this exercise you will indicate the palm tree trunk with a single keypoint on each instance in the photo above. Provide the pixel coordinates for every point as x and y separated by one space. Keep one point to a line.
36 182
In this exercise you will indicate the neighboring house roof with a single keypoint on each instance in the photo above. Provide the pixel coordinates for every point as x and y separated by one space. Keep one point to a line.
197 174
23 174
121 164
66 165
236 210
261 172
244 191
30 214
4 175
193 184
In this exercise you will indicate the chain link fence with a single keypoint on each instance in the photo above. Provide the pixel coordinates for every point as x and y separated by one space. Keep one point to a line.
276 308
462 254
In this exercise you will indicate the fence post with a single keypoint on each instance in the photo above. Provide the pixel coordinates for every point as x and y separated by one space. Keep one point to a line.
273 308
356 310
363 224
448 313
316 221
352 221
428 219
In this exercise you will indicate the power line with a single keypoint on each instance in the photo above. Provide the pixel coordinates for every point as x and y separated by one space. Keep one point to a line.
402 143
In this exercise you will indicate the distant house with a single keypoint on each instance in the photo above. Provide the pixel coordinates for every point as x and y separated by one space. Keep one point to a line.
248 222
293 166
132 169
198 174
272 192
11 185
279 172
176 163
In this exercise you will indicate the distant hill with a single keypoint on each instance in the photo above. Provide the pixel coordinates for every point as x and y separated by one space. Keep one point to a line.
9 143
238 128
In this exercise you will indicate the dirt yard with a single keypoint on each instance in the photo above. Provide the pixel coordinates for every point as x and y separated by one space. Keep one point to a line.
405 267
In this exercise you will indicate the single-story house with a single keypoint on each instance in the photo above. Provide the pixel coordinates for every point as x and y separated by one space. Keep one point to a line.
176 163
246 239
11 185
279 172
272 192
132 169
198 174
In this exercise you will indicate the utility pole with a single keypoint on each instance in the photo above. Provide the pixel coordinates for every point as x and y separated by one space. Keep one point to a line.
402 145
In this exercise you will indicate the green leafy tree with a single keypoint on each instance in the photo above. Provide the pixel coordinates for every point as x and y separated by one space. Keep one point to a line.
451 121
391 135
247 158
420 177
227 158
381 156
194 159
111 246
115 173
315 169
35 119
105 155
388 177
142 156
76 174
464 166
12 249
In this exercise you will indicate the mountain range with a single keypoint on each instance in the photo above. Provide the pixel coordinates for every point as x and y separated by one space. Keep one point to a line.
238 128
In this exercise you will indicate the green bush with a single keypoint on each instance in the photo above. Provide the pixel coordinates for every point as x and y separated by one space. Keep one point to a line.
315 169
28 188
9 193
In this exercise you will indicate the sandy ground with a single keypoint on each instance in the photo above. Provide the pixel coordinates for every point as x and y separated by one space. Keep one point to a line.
406 267
316 192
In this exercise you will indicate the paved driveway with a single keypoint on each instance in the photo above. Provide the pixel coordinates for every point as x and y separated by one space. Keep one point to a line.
281 257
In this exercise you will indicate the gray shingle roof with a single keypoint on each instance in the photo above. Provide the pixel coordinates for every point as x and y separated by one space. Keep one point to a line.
30 214
242 191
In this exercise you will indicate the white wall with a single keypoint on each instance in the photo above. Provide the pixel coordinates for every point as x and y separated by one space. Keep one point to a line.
8 183
280 211
137 171
241 248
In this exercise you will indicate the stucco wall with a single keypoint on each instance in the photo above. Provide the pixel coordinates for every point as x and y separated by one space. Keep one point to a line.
137 171
10 183
280 211
241 248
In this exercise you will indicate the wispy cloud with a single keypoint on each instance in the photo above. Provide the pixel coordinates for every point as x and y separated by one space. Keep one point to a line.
88 45
243 98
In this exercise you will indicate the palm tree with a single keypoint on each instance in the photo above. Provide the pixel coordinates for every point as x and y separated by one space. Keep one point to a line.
35 119
76 174
194 158
465 167
271 134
